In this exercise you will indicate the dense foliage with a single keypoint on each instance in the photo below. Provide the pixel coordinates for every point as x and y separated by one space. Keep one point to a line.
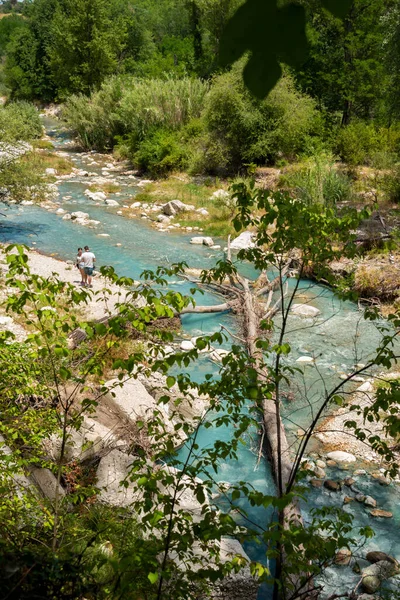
342 99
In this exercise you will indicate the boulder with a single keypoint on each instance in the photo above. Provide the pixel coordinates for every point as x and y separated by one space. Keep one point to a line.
340 456
349 481
348 499
67 217
205 241
79 215
203 211
163 219
112 470
333 486
373 576
343 557
320 473
130 399
305 310
136 205
316 483
376 556
243 241
307 360
51 172
47 483
218 354
176 206
384 514
369 501
365 387
110 202
186 346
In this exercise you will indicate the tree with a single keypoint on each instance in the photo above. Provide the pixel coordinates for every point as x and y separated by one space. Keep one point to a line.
344 70
85 45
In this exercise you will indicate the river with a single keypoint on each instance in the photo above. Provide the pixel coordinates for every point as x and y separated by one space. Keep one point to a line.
340 338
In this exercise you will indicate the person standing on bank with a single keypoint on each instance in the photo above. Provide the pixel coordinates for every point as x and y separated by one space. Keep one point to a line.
80 265
88 259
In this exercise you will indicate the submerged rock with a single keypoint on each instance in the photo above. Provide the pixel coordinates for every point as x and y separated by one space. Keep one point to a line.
305 310
378 512
333 486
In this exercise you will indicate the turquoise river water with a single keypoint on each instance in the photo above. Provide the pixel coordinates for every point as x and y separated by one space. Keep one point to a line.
339 339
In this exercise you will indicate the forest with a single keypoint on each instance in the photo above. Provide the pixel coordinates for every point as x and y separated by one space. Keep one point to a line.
217 416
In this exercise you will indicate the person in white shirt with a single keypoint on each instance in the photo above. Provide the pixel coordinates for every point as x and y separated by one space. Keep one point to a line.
80 265
88 259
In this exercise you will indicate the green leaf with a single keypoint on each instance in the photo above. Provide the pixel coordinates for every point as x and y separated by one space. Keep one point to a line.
153 577
170 381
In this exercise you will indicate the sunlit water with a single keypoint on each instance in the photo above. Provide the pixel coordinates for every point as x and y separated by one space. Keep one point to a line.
337 339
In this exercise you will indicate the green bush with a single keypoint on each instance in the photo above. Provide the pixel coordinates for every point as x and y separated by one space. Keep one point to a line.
363 143
318 181
247 130
161 153
19 121
391 185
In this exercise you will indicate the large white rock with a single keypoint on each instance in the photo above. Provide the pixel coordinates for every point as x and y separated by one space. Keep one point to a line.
112 470
365 387
305 310
176 206
47 483
186 346
243 241
50 171
163 219
306 360
110 202
79 215
340 456
202 240
130 399
218 354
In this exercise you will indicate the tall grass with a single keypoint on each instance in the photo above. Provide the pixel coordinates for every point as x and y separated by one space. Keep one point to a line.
318 181
132 108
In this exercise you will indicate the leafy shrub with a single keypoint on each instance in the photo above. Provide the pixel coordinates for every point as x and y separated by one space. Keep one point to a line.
161 153
319 181
361 143
19 121
391 184
247 130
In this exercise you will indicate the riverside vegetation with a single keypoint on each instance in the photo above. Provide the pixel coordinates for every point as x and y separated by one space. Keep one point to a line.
140 79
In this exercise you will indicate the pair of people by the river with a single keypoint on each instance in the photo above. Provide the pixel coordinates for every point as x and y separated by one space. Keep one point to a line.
85 263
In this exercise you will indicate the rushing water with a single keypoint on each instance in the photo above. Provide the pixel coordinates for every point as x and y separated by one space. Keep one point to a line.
339 338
